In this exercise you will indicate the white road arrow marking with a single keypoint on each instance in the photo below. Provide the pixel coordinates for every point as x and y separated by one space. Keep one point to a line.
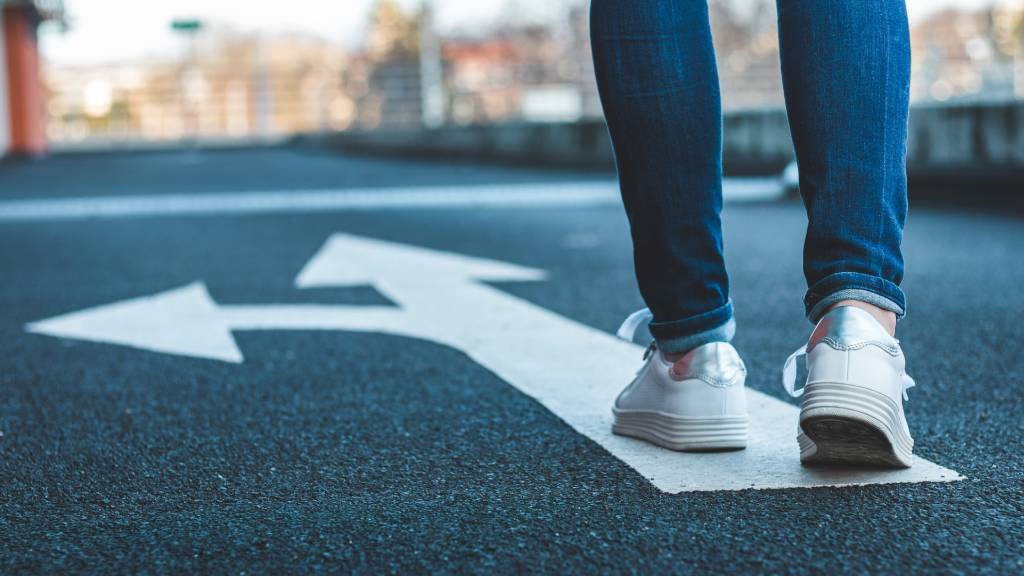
572 369
187 322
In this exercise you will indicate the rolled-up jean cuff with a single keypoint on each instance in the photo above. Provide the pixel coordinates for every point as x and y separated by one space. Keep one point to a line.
853 286
683 335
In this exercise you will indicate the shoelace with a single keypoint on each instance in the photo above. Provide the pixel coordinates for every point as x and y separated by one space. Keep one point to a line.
789 375
632 323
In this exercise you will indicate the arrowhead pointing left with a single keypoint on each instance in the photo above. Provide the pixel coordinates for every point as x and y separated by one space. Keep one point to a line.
184 321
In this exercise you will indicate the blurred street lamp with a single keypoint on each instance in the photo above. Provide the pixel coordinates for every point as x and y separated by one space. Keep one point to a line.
431 73
189 28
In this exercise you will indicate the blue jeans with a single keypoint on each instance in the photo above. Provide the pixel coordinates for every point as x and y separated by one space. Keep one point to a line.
846 75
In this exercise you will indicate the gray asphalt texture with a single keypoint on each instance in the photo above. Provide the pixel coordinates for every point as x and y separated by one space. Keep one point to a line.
342 452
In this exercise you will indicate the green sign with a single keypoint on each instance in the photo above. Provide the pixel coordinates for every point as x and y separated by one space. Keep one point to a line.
186 25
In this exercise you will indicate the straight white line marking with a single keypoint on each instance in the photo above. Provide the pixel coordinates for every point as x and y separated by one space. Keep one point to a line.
544 195
571 369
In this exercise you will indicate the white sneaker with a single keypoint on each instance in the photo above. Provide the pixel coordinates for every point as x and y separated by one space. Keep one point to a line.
852 407
698 403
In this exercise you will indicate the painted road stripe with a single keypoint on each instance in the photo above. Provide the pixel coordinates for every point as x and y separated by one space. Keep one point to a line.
573 370
574 194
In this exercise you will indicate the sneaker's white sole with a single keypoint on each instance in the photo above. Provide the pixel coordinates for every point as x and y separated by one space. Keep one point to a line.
678 433
849 424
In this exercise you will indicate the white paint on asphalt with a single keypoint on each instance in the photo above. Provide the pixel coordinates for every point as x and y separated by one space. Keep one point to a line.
543 195
571 369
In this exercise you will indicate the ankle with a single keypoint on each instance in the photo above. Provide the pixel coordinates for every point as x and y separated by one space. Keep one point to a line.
886 318
673 357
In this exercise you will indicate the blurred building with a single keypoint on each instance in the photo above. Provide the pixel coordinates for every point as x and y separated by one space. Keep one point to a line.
405 75
516 74
969 55
385 80
747 47
384 94
229 85
582 61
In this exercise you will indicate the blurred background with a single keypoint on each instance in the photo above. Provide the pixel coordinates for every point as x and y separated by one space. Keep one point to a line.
163 70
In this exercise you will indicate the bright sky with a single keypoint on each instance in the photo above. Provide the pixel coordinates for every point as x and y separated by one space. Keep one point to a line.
105 31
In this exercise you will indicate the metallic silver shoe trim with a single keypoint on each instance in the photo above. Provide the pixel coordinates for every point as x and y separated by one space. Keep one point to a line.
715 363
850 328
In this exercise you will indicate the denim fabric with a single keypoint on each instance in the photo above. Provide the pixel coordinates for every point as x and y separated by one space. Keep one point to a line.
846 74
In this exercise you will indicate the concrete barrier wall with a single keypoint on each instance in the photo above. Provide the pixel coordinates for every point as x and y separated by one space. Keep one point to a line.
975 141
577 144
982 135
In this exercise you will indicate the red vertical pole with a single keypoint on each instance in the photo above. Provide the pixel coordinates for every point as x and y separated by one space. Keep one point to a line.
26 98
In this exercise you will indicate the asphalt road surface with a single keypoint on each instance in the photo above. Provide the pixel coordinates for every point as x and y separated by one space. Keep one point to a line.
340 451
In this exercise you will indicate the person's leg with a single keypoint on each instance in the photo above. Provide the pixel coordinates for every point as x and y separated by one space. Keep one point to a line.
655 68
846 74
